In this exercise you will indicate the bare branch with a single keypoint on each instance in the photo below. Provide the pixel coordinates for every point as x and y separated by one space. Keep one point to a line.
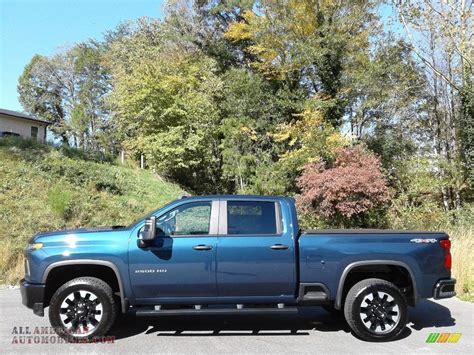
421 57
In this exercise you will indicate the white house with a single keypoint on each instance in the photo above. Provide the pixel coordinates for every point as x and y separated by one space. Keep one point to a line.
18 124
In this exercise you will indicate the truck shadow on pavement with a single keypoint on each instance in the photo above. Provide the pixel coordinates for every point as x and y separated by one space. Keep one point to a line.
428 314
308 320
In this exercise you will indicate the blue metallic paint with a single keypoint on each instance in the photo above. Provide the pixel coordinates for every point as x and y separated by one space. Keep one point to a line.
238 268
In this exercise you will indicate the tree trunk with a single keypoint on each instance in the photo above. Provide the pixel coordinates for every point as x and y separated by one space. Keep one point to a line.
65 139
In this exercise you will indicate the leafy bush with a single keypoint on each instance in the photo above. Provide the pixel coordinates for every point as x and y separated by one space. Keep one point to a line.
352 191
90 155
24 143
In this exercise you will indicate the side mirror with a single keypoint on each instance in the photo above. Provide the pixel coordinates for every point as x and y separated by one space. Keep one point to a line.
149 230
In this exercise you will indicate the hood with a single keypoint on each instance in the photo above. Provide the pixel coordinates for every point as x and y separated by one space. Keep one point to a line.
75 231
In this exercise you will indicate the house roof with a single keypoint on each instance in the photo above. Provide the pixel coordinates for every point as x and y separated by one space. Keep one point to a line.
22 116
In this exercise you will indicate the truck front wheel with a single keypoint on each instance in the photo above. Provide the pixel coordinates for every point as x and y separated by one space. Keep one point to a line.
82 309
376 310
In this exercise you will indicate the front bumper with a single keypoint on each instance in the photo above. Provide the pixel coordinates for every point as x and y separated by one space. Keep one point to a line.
444 289
32 296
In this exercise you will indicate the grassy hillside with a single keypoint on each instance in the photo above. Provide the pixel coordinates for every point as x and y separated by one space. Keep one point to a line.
43 188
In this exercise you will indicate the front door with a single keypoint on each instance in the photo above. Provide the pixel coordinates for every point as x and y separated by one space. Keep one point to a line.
181 260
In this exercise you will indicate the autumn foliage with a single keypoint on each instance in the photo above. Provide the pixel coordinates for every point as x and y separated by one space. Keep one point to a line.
349 188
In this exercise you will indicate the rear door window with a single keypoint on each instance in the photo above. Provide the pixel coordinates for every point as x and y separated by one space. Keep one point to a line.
251 217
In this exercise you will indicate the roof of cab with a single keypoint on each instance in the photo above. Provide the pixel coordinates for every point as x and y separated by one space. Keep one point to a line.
234 197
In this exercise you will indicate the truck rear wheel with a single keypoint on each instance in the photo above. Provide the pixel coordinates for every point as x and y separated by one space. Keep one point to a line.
376 310
82 309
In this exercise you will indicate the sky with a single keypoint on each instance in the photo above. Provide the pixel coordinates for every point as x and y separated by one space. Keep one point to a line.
29 27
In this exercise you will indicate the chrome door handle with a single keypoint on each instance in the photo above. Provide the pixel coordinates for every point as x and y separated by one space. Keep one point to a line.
202 247
279 247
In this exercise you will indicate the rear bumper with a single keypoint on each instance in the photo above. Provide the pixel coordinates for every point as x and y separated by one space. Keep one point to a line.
444 289
32 296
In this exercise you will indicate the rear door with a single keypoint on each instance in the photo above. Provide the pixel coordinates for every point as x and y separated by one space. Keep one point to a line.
255 255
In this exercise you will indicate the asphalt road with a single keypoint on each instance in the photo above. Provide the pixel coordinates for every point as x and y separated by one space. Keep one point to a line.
314 331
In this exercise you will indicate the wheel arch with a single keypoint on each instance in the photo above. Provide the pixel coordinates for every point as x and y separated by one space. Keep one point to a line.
353 265
108 264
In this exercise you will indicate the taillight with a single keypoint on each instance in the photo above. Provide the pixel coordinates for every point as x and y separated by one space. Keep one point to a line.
446 245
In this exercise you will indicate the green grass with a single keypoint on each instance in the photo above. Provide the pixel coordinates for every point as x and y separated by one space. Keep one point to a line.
43 188
462 249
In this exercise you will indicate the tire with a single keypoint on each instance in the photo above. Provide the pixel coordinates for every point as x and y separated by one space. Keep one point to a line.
82 309
382 320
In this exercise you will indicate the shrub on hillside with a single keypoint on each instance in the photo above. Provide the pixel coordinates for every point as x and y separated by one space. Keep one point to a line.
26 146
23 143
89 155
351 191
59 199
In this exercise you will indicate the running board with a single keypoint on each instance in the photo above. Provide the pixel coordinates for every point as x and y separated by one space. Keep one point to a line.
216 311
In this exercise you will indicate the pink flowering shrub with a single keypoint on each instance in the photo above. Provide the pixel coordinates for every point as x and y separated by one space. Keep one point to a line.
345 192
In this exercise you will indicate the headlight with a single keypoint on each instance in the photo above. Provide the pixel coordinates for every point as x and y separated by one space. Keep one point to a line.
35 246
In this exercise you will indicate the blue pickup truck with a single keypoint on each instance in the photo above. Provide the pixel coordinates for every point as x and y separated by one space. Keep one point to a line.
232 255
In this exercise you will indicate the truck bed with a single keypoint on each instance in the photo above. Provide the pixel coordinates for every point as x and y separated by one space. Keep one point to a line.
366 231
326 255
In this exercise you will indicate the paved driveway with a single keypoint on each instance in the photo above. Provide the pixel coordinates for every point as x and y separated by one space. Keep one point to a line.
313 331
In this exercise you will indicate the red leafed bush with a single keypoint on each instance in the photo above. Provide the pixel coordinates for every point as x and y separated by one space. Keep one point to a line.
347 189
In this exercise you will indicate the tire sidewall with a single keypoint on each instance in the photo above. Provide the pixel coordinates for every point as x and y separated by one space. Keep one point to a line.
399 299
67 289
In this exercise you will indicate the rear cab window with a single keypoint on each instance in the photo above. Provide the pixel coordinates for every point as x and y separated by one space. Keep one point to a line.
253 218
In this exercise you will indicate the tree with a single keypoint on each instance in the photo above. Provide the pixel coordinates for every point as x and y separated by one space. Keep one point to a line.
347 192
251 108
306 44
164 103
440 34
42 93
90 119
68 89
306 139
466 121
387 101
385 89
203 23
417 201
307 48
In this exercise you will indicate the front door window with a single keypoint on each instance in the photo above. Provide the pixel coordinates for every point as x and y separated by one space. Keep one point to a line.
188 219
